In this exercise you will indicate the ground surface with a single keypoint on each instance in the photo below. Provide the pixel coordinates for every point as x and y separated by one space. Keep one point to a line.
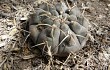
15 54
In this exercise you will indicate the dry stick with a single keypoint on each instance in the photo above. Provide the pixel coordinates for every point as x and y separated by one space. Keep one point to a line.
50 54
80 36
43 25
3 62
72 7
74 54
52 37
67 58
49 47
44 48
25 39
68 4
63 40
83 9
14 44
38 45
44 45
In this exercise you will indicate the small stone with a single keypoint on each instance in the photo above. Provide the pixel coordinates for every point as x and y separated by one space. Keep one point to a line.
23 18
106 9
2 44
108 5
108 50
4 37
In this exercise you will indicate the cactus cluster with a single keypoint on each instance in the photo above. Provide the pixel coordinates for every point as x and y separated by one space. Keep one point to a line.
60 26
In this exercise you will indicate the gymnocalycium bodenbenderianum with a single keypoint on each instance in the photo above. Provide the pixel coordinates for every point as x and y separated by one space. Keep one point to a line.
60 26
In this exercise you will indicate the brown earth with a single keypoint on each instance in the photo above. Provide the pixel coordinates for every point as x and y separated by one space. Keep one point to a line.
16 54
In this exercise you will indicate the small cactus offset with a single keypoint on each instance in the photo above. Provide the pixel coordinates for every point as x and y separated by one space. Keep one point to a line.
61 26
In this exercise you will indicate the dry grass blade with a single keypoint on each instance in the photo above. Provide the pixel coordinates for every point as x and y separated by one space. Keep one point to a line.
95 54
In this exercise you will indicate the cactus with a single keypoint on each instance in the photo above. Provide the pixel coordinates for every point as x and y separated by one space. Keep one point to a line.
63 28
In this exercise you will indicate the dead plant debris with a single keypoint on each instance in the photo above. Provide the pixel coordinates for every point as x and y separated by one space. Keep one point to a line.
16 53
